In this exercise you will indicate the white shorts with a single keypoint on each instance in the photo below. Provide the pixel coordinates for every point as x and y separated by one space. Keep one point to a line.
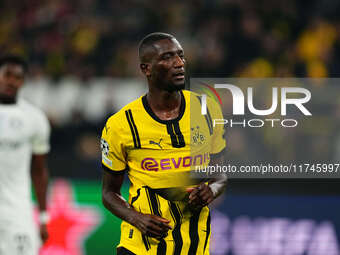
19 240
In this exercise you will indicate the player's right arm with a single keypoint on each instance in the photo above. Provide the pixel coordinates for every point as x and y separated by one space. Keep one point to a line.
114 165
148 224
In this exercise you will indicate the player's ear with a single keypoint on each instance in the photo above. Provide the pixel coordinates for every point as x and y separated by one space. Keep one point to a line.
145 68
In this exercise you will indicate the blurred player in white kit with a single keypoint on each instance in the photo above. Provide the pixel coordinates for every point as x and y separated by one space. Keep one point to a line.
24 144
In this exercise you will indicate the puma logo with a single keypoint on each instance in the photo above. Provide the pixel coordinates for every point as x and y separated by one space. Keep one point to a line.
159 143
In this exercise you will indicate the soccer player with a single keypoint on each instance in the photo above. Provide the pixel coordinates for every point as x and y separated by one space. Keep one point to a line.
157 139
24 143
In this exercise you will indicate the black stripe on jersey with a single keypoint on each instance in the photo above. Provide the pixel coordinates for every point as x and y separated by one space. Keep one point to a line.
145 238
209 121
135 197
172 135
133 129
208 232
177 139
155 209
149 201
179 134
146 242
161 248
207 118
154 201
176 233
193 233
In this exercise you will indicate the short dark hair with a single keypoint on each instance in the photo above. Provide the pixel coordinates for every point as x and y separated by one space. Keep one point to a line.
149 40
14 59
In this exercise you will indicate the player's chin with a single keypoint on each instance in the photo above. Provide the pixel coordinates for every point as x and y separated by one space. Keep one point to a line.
176 88
178 84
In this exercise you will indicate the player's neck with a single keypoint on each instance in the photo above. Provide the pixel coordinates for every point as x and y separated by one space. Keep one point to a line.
163 100
166 105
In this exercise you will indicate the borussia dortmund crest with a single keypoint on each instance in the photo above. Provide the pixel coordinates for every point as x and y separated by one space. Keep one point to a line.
198 137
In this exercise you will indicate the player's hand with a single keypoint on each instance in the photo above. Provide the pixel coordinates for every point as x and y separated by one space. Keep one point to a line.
200 196
43 232
152 225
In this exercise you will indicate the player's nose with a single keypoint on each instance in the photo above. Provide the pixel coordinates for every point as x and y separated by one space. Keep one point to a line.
179 62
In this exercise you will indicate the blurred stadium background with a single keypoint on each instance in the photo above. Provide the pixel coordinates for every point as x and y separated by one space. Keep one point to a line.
84 67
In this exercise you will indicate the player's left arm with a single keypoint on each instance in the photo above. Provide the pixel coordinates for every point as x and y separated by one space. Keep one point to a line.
39 175
218 184
205 193
39 170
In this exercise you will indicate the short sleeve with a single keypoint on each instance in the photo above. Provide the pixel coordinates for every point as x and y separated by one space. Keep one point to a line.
218 139
113 152
41 136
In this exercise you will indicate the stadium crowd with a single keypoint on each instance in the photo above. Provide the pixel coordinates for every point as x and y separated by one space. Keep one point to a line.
221 37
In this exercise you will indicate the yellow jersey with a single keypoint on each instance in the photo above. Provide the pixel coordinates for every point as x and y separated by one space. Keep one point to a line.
158 156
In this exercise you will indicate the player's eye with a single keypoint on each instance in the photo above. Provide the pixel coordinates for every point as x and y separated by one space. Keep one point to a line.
167 56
